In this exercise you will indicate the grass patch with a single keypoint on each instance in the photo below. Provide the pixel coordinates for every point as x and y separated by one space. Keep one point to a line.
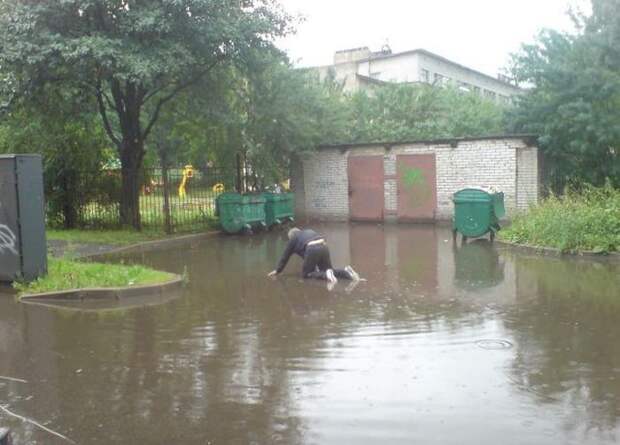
588 220
65 274
111 237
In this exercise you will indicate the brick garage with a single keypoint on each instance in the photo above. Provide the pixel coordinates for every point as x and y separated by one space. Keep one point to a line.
329 184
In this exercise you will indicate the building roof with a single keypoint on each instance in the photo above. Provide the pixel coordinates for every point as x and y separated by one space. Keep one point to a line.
385 82
529 139
381 56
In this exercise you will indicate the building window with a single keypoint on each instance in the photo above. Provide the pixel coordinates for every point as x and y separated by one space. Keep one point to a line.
489 94
438 79
425 76
464 86
477 90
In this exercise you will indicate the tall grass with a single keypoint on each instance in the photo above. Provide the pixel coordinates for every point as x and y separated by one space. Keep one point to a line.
588 219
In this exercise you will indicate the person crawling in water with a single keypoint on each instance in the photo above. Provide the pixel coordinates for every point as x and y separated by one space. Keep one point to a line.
312 247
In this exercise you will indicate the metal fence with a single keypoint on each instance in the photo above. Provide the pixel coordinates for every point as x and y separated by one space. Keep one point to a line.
164 203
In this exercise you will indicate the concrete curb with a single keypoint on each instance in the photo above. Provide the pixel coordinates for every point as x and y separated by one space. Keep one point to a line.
119 293
552 251
110 293
149 246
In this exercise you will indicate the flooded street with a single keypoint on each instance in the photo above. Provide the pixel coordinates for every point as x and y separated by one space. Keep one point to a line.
444 344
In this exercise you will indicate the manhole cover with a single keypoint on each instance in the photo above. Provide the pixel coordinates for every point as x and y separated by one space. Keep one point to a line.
494 344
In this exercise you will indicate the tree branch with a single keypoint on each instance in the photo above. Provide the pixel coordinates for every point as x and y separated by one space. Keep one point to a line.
174 92
148 96
5 107
107 99
104 116
117 94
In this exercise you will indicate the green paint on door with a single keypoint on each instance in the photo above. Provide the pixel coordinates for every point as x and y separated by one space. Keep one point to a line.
411 176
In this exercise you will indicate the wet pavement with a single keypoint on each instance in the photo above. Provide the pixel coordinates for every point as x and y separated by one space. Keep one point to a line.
444 344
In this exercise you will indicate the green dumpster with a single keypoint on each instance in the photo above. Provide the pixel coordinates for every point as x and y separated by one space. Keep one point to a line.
279 208
229 210
240 212
253 208
477 212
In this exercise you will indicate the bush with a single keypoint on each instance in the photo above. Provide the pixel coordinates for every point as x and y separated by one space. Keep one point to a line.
588 219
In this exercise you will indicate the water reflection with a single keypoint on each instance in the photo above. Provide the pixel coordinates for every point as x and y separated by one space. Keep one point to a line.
477 265
566 330
244 359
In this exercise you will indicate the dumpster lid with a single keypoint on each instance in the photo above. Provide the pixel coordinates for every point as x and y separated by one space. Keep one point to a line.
485 188
488 190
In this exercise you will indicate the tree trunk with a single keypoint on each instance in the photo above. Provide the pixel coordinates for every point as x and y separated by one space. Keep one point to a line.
69 201
69 216
131 162
128 99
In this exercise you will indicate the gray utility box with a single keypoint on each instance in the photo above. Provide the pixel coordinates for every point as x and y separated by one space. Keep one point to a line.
23 249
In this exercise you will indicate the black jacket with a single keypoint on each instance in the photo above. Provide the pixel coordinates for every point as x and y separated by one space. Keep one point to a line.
297 245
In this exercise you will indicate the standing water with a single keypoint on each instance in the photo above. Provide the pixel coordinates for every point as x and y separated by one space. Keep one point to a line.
443 344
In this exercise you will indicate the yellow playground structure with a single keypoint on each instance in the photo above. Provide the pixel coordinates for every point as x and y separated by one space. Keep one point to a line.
188 172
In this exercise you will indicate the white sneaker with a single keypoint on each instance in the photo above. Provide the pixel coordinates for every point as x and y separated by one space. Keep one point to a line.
351 286
354 275
329 273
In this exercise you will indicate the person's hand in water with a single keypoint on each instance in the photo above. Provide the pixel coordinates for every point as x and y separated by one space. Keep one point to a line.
272 274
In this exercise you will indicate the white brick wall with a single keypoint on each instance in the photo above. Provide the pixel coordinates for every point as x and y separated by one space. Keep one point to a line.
389 165
527 177
326 185
390 190
504 163
297 186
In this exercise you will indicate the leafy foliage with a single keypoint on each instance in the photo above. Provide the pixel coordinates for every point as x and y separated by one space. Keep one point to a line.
574 100
585 220
269 113
263 109
410 112
133 56
281 113
72 143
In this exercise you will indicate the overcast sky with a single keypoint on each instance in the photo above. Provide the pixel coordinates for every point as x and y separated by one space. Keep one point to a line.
480 34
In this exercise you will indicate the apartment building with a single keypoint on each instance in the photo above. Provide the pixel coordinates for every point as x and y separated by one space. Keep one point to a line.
359 68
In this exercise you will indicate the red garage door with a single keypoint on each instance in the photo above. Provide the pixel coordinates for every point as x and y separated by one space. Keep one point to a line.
417 188
366 188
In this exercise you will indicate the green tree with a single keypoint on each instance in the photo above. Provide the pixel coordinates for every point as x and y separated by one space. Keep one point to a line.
263 110
573 99
133 56
410 112
72 143
282 113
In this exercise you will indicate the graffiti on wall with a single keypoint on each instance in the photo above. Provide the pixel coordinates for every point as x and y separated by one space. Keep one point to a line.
8 240
416 184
